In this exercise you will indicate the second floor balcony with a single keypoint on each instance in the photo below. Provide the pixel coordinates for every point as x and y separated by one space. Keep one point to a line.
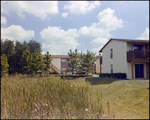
138 56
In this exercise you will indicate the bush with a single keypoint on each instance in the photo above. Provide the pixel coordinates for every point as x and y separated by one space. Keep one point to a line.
113 75
57 75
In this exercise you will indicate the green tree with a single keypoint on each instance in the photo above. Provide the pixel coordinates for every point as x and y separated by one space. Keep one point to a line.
33 45
4 65
26 59
73 61
47 61
7 48
36 62
17 55
88 61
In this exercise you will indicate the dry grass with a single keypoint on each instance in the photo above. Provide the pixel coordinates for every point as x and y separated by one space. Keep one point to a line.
24 97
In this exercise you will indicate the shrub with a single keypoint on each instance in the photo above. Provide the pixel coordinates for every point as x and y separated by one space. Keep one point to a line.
113 75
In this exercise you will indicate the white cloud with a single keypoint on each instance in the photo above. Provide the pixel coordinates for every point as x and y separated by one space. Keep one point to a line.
98 43
38 8
81 7
107 22
65 14
3 20
145 34
16 32
59 41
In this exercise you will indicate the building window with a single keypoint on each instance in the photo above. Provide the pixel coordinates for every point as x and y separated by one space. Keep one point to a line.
111 53
63 61
63 70
111 67
138 47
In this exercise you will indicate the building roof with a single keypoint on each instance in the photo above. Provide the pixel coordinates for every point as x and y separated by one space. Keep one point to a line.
125 40
58 56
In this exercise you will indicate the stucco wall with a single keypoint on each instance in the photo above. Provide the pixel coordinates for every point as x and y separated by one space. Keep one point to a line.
119 59
57 63
98 65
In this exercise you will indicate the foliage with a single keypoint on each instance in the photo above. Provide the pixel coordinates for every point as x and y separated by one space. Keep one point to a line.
23 97
14 52
4 65
26 59
113 75
73 61
88 61
32 62
47 61
33 45
36 62
7 47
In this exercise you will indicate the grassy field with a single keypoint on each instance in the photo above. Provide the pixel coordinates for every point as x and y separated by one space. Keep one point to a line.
54 98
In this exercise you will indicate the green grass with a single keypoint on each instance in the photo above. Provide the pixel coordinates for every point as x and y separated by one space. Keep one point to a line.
127 98
52 97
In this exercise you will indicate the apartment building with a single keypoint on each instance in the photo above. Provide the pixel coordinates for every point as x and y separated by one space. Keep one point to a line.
126 56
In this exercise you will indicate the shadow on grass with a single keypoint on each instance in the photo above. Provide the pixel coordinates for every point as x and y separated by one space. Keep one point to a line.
71 77
98 80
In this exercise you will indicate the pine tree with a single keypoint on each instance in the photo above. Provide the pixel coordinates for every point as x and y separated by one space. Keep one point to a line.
36 62
73 61
47 61
4 65
88 61
26 59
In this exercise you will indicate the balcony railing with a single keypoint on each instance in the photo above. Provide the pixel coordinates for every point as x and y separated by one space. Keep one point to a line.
137 56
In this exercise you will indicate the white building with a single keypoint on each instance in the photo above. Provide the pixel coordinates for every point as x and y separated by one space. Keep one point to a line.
126 56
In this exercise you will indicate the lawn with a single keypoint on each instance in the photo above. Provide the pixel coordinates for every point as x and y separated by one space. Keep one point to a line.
85 97
127 98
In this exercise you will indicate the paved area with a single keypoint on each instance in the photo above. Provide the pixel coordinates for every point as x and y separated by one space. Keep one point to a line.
95 75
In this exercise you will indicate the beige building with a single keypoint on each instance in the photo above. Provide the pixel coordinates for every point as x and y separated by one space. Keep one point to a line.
59 63
126 56
98 64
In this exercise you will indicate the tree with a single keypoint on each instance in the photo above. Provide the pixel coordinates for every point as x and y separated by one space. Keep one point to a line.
4 65
17 55
36 62
7 48
33 45
88 61
47 61
26 59
73 61
77 60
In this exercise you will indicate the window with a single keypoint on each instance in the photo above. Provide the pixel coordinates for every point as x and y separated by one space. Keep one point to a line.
138 47
63 70
111 67
111 53
63 61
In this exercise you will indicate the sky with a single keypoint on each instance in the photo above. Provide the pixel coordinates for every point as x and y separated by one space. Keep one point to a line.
83 25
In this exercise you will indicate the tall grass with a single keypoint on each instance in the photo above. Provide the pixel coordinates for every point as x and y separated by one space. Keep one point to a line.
23 97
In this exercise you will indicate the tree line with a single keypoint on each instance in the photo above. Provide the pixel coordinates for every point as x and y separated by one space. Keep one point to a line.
22 57
81 62
26 58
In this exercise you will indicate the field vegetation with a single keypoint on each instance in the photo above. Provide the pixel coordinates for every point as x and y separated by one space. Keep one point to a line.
24 97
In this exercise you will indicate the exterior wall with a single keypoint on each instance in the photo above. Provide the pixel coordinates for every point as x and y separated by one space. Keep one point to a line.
64 65
57 63
119 60
98 65
129 70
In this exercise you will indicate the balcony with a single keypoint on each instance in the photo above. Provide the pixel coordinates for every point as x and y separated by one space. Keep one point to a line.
137 56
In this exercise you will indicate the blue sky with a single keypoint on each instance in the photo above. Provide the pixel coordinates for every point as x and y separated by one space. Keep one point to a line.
86 25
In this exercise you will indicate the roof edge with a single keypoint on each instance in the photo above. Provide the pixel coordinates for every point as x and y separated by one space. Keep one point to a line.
124 40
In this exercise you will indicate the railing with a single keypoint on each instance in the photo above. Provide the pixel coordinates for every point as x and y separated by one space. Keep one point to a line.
137 55
56 69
